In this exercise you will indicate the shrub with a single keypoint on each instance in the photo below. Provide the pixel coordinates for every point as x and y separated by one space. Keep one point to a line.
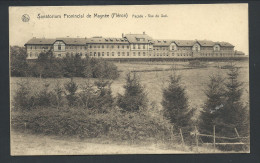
134 98
114 125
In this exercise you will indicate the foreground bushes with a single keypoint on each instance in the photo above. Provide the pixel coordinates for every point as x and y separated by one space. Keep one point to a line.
114 124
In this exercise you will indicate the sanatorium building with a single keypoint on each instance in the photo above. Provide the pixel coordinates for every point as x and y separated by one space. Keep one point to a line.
129 46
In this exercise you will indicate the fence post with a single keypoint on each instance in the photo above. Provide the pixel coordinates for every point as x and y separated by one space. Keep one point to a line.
197 141
182 140
214 139
239 138
25 127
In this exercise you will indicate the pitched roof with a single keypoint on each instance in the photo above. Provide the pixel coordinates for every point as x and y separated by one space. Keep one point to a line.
162 42
40 41
185 42
138 38
206 42
73 41
225 44
107 40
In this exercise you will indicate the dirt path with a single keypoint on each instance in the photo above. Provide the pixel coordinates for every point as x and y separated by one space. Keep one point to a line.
25 144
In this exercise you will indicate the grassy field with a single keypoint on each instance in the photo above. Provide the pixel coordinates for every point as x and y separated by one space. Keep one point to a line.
154 76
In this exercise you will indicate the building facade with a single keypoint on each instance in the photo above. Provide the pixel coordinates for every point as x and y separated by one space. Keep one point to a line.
129 46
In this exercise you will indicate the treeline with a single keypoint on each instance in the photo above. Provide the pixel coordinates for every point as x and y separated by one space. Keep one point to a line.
47 66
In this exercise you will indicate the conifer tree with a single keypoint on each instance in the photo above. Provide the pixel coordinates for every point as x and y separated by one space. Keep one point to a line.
175 104
214 102
104 100
134 98
71 88
234 114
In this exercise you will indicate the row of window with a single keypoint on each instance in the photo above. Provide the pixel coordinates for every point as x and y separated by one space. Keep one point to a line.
109 46
138 46
39 47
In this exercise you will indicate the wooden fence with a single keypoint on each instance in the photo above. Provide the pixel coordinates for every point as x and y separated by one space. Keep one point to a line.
214 137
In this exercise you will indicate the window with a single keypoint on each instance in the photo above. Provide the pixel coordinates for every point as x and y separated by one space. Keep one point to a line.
143 53
112 46
103 53
127 47
118 53
123 46
31 47
90 46
112 53
123 53
59 55
102 46
94 46
118 46
127 53
107 46
196 48
95 54
138 46
31 54
98 54
80 54
85 47
86 54
134 53
134 46
107 53
139 54
143 46
90 54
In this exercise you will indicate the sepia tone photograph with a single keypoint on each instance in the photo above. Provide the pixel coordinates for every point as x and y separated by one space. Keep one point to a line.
130 79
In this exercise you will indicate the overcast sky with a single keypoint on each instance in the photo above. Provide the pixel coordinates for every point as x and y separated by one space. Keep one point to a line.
216 22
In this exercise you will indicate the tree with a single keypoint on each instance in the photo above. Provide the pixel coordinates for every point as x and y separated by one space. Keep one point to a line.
104 100
134 98
71 88
175 104
88 95
214 102
19 66
233 114
47 65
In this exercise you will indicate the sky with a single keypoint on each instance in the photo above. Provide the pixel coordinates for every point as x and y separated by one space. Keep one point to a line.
216 22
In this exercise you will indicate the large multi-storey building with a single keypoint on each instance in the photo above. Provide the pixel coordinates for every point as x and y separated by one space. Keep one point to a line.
129 46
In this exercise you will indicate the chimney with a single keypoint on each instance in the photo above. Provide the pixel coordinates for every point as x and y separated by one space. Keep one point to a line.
122 35
143 33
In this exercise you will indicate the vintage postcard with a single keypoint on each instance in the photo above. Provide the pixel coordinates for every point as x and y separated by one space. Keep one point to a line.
131 79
